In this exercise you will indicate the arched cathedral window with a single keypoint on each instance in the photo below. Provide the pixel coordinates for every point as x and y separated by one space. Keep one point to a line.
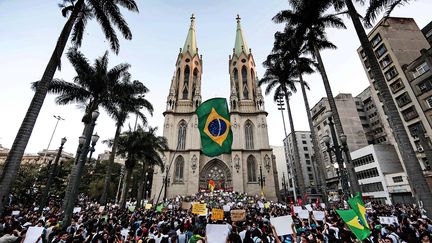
195 79
236 81
251 169
182 135
245 83
249 135
186 82
179 167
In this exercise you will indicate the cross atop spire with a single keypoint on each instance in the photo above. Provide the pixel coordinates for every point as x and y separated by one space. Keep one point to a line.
190 43
240 42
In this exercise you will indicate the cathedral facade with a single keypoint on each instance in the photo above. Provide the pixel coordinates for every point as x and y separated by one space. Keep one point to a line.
250 166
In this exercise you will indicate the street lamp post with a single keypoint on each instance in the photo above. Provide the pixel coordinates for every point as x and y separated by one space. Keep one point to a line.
45 194
94 139
284 185
338 150
167 181
73 186
52 135
261 179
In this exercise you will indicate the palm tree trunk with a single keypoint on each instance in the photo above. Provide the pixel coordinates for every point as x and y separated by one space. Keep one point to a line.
299 171
319 167
413 169
13 160
76 176
141 186
352 177
103 199
126 182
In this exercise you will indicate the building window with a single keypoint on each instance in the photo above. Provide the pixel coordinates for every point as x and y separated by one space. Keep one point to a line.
403 99
308 162
311 178
181 143
303 142
245 83
396 86
425 86
369 173
251 168
380 51
305 148
429 101
386 61
249 135
376 40
363 54
397 179
307 156
409 114
179 167
420 69
391 73
363 160
372 187
309 169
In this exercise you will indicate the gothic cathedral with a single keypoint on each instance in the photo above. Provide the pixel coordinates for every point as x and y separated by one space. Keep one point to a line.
250 167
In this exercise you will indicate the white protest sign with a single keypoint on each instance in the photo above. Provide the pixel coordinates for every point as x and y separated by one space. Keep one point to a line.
124 233
297 209
318 215
15 213
283 225
322 205
308 207
260 204
226 208
388 220
303 214
101 209
33 233
216 233
77 209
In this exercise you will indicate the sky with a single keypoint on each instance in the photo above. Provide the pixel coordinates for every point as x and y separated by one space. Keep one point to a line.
28 33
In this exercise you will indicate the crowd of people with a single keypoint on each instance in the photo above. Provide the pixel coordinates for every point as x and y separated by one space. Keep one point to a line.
173 223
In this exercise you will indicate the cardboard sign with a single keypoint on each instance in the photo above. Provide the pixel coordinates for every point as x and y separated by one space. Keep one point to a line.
297 209
283 225
388 220
186 205
226 208
148 206
303 214
238 215
77 210
217 233
318 215
217 214
199 208
308 207
15 213
33 233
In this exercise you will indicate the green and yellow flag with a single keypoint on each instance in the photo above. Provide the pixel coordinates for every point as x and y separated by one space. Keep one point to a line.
357 204
351 218
215 127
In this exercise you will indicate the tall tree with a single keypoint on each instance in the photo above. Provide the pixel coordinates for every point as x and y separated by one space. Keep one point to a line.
293 50
140 145
131 100
310 19
279 76
413 169
79 12
93 87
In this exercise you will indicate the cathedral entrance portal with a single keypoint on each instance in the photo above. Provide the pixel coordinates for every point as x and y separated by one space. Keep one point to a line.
217 171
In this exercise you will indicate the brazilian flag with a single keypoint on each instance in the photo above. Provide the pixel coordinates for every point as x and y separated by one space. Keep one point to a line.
355 224
215 127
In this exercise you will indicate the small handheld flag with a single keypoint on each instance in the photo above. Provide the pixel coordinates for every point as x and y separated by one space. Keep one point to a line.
215 127
355 218
211 185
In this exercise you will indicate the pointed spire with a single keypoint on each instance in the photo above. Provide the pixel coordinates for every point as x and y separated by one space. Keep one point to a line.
190 43
240 42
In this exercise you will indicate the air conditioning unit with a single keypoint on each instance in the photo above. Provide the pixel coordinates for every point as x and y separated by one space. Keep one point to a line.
420 149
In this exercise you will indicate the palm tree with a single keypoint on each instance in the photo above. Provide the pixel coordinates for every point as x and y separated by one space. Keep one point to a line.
79 12
131 97
408 157
293 50
139 145
94 86
279 76
310 20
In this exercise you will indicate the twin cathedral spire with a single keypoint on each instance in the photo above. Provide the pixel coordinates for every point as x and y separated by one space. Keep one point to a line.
185 89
